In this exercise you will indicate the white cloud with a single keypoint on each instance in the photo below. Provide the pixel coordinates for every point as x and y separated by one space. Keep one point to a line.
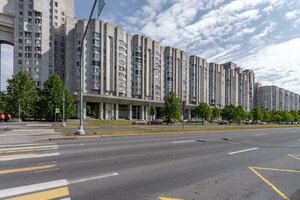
259 38
277 64
292 15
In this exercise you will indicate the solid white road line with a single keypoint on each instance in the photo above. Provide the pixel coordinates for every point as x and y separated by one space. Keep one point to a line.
262 134
184 141
23 148
66 198
26 144
30 156
32 188
93 178
241 151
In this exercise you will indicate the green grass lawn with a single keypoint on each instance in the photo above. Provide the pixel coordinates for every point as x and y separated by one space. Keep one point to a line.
148 130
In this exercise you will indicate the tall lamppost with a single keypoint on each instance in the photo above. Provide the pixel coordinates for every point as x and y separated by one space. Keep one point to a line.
149 98
63 108
101 4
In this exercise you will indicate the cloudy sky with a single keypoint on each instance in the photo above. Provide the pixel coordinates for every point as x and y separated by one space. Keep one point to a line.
263 35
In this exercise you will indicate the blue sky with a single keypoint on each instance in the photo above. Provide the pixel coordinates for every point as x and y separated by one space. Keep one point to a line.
263 35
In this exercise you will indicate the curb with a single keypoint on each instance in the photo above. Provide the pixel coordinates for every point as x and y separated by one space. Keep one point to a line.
147 134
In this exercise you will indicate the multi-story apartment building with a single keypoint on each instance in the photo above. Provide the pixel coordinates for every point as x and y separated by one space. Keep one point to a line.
231 83
40 33
269 97
198 80
249 80
287 100
281 99
216 85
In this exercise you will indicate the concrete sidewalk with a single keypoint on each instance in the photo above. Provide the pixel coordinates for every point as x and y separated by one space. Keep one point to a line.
11 134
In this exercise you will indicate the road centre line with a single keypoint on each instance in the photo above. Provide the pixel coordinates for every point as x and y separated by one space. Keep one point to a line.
22 148
183 141
242 151
32 188
48 194
25 156
93 178
25 169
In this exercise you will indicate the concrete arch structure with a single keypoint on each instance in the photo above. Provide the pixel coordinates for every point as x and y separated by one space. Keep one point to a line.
7 21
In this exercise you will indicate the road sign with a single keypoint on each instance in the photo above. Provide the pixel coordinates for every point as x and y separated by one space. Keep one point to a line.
101 4
56 110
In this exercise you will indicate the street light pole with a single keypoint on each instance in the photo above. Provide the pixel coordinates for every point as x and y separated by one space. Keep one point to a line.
81 131
63 108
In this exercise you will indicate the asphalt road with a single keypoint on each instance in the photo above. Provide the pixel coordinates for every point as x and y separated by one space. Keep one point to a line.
235 165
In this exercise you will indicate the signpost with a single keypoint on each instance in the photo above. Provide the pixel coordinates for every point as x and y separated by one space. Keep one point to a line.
183 111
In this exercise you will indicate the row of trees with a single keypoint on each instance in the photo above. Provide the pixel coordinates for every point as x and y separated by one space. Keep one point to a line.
173 110
23 95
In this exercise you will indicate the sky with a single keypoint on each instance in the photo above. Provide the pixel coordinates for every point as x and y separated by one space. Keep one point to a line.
262 35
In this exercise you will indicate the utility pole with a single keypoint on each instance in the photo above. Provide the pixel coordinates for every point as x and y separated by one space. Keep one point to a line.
19 113
101 4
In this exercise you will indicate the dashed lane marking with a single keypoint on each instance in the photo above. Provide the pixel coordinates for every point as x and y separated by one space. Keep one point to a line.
93 178
166 198
25 144
26 169
242 151
296 156
30 147
25 156
29 150
183 141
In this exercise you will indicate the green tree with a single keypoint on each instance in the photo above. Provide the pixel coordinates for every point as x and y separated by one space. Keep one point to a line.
239 114
288 117
52 96
89 111
228 112
152 111
257 114
21 91
203 111
296 115
267 116
216 113
172 109
277 117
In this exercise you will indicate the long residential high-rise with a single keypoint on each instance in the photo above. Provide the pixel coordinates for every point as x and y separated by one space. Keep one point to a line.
124 75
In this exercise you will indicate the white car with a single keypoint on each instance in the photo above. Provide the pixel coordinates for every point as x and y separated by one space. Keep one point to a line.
139 122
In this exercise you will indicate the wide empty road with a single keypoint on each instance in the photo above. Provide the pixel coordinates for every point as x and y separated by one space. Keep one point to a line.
235 165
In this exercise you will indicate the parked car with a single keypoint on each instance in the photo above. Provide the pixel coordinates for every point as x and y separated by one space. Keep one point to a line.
193 120
139 122
222 122
157 122
171 121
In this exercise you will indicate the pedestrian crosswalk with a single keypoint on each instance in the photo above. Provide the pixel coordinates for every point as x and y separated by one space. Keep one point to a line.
53 189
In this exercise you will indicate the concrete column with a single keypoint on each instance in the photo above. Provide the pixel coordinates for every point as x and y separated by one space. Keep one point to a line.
84 110
106 111
0 69
117 112
142 112
130 112
100 111
190 113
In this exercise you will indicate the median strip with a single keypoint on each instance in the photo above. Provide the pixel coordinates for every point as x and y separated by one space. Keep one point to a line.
242 151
